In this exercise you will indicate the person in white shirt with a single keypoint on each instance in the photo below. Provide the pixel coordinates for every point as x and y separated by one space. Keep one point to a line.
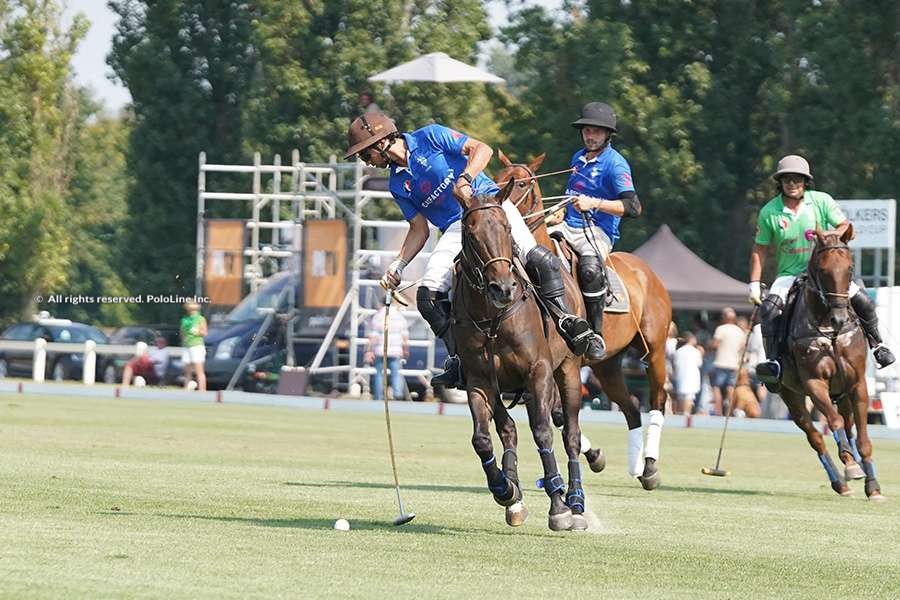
398 350
686 366
728 342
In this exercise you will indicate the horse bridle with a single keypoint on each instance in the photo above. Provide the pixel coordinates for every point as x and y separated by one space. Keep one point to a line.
531 176
816 285
474 265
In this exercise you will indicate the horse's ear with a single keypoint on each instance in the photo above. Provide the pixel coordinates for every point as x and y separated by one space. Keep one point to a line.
536 162
503 160
505 192
848 235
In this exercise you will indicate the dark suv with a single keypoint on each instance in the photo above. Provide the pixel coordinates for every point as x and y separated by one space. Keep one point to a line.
60 365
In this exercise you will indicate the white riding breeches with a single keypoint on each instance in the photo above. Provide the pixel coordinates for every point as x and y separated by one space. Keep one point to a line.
585 240
439 270
782 285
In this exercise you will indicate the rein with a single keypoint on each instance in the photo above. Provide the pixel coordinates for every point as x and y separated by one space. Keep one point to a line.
488 327
814 284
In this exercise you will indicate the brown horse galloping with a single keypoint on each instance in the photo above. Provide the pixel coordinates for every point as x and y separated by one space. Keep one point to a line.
826 360
505 345
643 327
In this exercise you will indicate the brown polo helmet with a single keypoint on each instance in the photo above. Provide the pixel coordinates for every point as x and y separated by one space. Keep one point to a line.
366 130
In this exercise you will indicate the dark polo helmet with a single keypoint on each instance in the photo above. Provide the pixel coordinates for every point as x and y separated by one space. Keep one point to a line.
366 130
598 114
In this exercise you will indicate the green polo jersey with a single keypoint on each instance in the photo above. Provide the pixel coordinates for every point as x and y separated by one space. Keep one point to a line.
190 330
788 231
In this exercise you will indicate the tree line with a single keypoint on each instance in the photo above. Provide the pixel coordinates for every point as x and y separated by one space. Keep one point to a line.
709 95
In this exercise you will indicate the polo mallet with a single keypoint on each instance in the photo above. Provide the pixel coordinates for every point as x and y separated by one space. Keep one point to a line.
716 471
403 517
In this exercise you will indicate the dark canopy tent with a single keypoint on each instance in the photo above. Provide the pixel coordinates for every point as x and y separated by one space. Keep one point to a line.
692 283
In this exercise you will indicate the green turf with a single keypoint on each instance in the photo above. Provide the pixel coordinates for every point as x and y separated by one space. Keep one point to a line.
120 498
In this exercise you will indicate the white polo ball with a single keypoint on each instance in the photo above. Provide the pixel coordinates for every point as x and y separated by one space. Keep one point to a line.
192 385
342 525
139 381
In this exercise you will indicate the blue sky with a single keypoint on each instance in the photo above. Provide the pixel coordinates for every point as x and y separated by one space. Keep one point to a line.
92 71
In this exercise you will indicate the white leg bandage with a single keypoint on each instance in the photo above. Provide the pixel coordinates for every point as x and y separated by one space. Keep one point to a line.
585 443
654 433
635 451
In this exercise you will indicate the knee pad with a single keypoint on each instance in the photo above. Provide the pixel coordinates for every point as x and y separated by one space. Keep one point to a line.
863 305
591 275
543 267
771 308
435 309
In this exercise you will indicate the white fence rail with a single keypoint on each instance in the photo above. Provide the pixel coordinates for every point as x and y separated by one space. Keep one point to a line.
89 351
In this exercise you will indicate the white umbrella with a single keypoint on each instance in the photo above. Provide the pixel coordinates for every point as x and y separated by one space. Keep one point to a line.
437 67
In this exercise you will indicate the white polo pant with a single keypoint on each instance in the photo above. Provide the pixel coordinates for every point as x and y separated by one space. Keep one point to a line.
439 270
782 285
583 241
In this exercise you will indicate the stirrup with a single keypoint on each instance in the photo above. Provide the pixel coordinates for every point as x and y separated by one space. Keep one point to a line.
596 348
883 356
577 333
452 375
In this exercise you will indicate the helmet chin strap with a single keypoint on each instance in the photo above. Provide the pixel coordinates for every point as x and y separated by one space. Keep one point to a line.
383 151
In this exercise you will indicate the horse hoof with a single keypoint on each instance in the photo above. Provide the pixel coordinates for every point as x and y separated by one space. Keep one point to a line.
872 488
854 471
561 521
516 514
841 488
596 459
650 482
878 497
579 523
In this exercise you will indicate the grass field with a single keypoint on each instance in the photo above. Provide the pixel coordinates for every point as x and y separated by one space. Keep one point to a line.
115 498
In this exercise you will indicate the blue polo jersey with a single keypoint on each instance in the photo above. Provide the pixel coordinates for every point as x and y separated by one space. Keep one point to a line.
605 176
426 185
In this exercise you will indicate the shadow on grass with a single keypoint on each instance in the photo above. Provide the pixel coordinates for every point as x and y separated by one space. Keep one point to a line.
320 523
368 525
465 489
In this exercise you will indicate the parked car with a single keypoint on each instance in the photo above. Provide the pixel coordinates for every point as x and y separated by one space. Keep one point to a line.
132 334
60 365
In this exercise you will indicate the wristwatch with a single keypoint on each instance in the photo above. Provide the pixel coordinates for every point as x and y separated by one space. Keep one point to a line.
465 176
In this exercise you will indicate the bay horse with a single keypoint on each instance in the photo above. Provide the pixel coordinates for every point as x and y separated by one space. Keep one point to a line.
825 359
644 327
504 344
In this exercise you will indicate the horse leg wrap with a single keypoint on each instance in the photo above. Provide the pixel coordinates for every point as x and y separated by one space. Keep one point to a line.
553 482
496 479
575 495
856 455
830 469
869 469
585 444
654 433
636 451
510 464
843 444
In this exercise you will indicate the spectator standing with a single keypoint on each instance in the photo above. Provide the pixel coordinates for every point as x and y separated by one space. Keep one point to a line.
728 343
367 102
193 330
398 350
686 368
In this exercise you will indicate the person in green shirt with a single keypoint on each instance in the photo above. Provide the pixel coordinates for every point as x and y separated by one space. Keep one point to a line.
193 328
788 222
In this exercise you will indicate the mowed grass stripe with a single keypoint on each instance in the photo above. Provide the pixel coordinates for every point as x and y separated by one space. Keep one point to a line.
105 498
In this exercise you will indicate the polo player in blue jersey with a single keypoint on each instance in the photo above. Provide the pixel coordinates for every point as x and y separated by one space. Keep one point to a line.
429 169
603 192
